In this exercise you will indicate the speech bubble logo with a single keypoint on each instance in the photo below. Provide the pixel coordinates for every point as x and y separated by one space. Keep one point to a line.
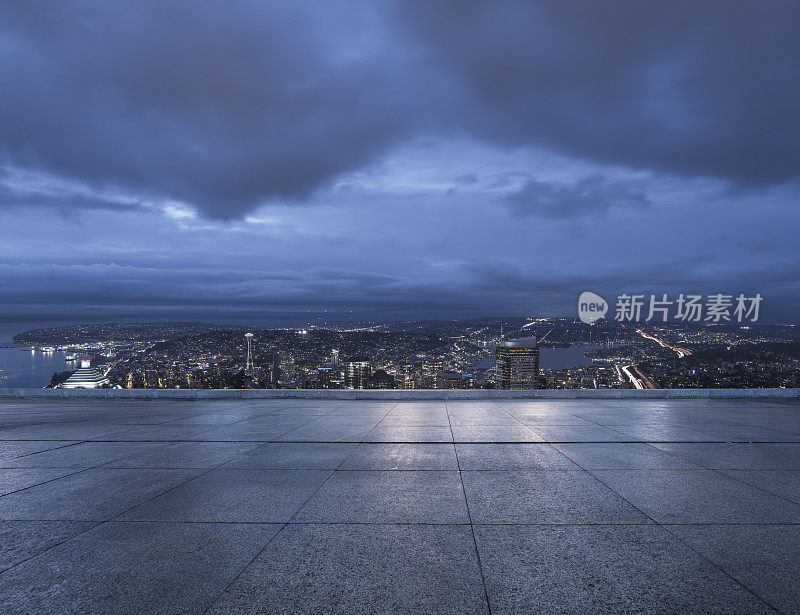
591 307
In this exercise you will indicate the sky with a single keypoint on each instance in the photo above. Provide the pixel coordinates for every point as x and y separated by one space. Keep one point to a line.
265 161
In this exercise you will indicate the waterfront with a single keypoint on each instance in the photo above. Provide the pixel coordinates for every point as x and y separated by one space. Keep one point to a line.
25 368
21 367
562 358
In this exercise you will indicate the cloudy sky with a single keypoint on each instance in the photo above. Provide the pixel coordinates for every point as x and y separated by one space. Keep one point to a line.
257 160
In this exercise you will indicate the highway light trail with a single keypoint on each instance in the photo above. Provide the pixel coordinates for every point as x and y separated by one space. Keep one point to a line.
682 352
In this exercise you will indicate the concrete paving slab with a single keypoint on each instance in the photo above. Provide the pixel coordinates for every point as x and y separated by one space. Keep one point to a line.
185 455
614 456
474 419
414 433
15 479
162 433
551 419
522 456
579 433
698 496
291 456
655 432
137 568
10 450
22 540
785 483
387 497
531 496
91 495
603 569
495 433
82 455
76 430
239 433
310 433
370 456
745 433
741 456
252 496
571 527
763 558
403 569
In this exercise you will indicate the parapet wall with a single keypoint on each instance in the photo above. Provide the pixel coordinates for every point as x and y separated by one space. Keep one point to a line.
400 395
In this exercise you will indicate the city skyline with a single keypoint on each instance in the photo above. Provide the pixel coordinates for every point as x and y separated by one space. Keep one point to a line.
501 353
393 162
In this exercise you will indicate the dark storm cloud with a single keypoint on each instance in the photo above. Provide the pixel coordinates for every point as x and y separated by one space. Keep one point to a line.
418 159
690 87
589 195
229 105
220 105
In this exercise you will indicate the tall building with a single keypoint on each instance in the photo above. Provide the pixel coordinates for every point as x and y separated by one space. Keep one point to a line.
335 358
356 373
430 373
286 369
517 364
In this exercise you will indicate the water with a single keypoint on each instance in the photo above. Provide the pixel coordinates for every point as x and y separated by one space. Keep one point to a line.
562 358
555 358
26 368
19 367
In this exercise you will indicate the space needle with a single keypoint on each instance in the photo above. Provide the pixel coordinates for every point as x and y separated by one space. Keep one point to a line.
249 365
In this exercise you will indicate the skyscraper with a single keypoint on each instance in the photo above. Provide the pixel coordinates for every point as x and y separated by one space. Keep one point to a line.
518 364
356 373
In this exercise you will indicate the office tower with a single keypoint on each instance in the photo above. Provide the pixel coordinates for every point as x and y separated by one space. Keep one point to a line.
430 373
286 370
356 373
335 358
517 364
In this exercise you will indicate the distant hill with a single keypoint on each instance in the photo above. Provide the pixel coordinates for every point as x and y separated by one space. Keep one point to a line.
118 332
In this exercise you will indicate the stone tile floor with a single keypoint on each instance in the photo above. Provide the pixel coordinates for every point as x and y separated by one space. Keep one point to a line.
322 506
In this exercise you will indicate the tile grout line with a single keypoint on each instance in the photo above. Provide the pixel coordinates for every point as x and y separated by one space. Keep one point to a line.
213 601
679 539
528 427
270 441
544 441
110 519
721 472
469 516
423 523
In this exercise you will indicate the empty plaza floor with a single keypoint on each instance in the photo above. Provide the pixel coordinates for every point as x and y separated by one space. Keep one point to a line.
322 506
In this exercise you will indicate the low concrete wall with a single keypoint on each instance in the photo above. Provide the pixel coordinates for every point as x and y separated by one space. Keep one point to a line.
398 395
